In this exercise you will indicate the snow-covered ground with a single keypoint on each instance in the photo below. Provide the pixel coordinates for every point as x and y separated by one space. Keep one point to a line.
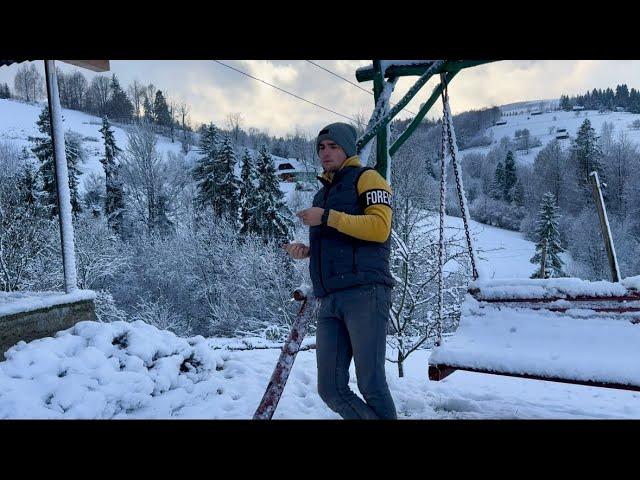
124 370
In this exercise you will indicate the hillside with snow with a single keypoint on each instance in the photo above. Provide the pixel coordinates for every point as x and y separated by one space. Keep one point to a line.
545 126
18 123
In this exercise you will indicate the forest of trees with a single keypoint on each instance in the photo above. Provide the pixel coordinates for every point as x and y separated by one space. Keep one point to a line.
607 99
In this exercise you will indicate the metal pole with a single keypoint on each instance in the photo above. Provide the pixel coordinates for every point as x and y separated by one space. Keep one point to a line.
62 178
604 225
382 140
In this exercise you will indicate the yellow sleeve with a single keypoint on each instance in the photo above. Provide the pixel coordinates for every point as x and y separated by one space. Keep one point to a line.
375 225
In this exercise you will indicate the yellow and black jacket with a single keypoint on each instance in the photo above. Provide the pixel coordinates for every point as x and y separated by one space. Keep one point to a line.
351 247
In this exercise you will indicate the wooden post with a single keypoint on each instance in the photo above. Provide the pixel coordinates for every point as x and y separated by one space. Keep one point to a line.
604 225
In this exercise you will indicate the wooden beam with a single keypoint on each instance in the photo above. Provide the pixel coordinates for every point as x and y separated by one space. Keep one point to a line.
93 65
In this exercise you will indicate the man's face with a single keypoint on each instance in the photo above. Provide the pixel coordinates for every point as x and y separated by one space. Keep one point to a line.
331 155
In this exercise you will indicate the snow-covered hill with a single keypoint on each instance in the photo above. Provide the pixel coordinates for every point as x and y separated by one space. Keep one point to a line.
545 126
18 123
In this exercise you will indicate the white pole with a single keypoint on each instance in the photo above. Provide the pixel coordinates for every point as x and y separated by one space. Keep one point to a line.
62 178
604 225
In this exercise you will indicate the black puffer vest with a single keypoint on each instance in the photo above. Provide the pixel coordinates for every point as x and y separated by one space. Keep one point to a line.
339 261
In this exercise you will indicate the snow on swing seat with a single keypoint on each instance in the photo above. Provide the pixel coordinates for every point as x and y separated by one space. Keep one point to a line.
564 330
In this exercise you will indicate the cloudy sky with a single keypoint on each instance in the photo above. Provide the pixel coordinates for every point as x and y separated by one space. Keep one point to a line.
213 90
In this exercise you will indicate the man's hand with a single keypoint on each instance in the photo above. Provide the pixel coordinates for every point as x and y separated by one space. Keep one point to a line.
311 216
297 251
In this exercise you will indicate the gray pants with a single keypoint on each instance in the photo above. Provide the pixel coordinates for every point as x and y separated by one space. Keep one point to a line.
352 323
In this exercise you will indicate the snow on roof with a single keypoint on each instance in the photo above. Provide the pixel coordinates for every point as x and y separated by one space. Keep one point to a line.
17 302
577 344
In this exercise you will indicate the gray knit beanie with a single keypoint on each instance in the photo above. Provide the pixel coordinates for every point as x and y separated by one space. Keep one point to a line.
343 134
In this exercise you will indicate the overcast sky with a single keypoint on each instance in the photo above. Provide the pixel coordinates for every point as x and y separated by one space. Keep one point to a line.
213 90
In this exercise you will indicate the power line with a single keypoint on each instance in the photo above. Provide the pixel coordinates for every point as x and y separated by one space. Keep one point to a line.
354 84
289 93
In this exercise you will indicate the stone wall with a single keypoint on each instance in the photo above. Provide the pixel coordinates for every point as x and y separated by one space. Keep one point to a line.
44 322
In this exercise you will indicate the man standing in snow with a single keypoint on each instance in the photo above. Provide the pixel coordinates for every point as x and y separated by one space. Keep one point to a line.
350 226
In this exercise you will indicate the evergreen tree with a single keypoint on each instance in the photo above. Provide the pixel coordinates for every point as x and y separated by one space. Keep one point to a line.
587 153
205 172
510 177
548 240
622 96
228 185
119 106
272 214
4 91
634 101
518 194
497 188
114 201
248 195
565 104
161 110
30 184
148 111
43 150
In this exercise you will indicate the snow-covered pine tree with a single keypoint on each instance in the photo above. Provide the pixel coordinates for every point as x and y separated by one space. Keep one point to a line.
114 201
161 110
497 187
4 91
588 154
119 106
205 172
228 186
248 195
548 240
43 149
510 177
272 213
148 111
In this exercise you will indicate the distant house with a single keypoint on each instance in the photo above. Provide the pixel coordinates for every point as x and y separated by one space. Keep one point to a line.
536 112
577 108
500 122
560 130
292 170
619 109
562 136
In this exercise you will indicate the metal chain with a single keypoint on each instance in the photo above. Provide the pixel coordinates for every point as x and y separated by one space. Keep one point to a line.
443 178
456 170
